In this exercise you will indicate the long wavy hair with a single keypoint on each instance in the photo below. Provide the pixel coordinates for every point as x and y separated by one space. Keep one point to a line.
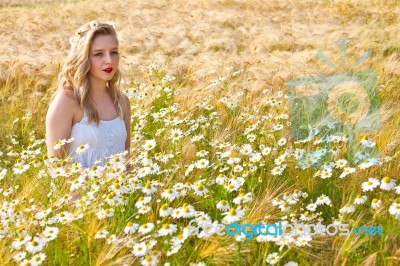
75 69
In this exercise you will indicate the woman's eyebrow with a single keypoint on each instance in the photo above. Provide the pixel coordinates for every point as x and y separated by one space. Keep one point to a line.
104 49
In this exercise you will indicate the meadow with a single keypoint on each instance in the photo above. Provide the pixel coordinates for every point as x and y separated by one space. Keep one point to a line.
226 127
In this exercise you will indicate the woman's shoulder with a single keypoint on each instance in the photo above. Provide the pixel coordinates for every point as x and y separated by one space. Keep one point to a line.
125 104
63 102
124 97
124 100
65 97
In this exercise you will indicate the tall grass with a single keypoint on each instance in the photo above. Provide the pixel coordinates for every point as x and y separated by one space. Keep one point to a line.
218 73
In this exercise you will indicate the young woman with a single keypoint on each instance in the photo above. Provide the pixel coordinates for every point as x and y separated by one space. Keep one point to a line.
88 105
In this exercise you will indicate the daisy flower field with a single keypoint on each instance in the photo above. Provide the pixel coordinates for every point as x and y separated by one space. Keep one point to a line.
213 138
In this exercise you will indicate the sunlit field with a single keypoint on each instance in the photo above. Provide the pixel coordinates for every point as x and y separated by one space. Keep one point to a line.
223 131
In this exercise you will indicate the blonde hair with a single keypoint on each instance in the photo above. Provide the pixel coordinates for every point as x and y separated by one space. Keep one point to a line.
74 72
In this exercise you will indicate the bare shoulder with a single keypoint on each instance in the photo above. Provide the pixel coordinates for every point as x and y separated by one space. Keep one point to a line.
124 97
68 94
126 105
63 105
59 120
64 96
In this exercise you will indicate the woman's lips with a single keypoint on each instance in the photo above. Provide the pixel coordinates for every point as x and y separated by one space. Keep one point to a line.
108 70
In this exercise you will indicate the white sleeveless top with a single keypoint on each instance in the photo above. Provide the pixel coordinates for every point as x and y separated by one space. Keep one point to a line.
104 140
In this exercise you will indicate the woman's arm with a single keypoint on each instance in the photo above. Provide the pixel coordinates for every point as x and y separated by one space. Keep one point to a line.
127 120
59 122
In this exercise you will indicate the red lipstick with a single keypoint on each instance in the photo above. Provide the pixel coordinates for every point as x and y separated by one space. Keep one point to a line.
108 70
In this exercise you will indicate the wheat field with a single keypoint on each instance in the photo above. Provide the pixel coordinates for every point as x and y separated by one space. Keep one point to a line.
214 121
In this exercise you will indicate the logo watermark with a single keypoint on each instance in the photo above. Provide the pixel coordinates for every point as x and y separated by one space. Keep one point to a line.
345 103
280 229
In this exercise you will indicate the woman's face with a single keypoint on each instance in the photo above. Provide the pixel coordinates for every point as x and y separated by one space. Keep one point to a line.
103 58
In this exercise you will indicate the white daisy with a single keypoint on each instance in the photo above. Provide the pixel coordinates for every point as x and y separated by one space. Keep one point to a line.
336 139
281 141
149 188
149 145
340 163
292 200
174 249
175 134
188 211
223 205
272 258
233 160
221 179
303 241
376 203
20 168
277 170
82 148
35 245
57 145
394 210
200 164
103 213
50 233
146 228
202 153
311 207
200 190
131 228
144 171
180 238
265 151
323 199
19 256
177 213
233 215
387 183
236 181
370 185
170 194
167 229
149 260
284 207
237 168
144 209
139 249
255 157
165 210
368 163
347 171
37 259
306 216
348 208
197 138
367 143
142 201
246 149
326 173
154 168
360 199
277 201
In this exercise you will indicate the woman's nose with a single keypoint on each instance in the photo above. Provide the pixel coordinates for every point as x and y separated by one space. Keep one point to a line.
108 58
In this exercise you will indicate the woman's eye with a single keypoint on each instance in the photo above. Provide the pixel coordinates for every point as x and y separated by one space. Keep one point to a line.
102 54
